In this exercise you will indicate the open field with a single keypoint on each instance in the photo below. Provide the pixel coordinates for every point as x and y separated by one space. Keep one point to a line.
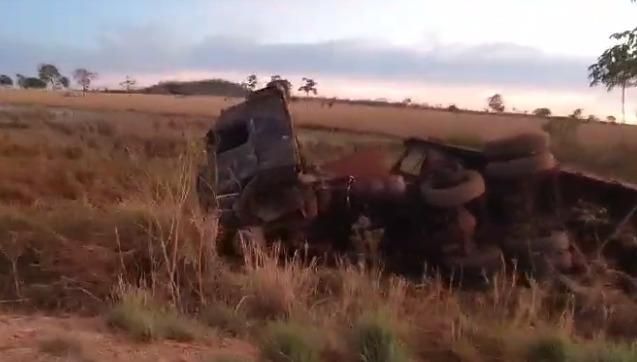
595 147
398 121
98 216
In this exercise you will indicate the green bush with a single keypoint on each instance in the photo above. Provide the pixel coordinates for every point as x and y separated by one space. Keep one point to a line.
289 342
376 340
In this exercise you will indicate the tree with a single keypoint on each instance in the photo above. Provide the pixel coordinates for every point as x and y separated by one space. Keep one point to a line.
49 73
496 103
542 112
309 86
592 118
5 81
407 101
84 78
251 83
64 82
128 83
611 119
20 80
282 83
30 82
617 66
577 114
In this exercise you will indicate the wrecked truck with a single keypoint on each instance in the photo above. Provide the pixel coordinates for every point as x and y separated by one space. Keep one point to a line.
436 207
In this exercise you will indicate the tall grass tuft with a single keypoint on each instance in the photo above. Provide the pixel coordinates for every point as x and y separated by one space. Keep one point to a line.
377 341
290 342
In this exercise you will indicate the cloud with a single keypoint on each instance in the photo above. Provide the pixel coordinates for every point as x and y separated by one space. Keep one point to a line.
153 50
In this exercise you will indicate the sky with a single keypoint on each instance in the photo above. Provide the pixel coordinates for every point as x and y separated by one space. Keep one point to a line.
534 53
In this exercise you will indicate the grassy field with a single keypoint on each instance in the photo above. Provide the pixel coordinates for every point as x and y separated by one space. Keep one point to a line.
98 216
593 147
398 121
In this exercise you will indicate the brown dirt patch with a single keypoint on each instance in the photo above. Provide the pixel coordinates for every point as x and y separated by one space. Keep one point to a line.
22 338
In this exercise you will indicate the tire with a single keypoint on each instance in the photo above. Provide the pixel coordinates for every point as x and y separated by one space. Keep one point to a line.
487 259
521 167
471 187
521 145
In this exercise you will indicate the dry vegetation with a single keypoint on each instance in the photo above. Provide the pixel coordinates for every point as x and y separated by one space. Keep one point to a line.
592 146
98 215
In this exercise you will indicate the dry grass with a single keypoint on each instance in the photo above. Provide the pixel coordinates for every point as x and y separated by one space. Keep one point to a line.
598 147
144 319
230 320
290 342
63 347
398 121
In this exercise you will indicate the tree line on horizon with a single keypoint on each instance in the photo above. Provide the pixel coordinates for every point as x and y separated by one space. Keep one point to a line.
616 67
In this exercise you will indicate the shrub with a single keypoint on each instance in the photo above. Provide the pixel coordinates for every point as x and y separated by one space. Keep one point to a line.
376 340
221 316
144 320
548 349
288 342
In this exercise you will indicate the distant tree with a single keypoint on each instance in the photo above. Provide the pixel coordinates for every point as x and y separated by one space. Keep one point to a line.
577 114
542 112
617 66
84 77
407 101
128 83
20 80
611 119
282 83
64 82
49 74
592 118
30 82
5 81
453 108
251 83
308 86
496 103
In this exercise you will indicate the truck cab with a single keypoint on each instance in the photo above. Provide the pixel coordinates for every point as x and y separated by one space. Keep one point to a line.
252 140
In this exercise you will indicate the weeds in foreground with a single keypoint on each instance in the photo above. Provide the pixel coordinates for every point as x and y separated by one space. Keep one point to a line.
221 316
136 313
548 349
274 288
290 342
377 341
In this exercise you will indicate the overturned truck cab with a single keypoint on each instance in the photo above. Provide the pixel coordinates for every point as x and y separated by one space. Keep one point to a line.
251 177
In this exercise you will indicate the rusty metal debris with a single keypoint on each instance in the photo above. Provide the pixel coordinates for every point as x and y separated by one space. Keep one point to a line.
454 208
